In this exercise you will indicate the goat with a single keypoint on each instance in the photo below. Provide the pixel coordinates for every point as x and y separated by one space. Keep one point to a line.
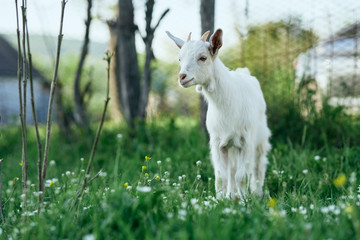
236 118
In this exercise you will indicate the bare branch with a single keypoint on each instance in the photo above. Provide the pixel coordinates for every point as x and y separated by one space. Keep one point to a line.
96 176
33 108
161 17
97 137
51 100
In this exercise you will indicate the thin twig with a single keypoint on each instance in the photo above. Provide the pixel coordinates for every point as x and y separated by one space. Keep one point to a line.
33 108
97 137
1 210
25 79
96 176
51 100
11 195
20 71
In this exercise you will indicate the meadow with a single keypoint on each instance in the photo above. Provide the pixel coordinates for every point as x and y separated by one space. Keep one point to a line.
160 185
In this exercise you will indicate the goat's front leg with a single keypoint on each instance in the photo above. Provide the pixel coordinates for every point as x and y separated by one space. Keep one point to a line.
217 159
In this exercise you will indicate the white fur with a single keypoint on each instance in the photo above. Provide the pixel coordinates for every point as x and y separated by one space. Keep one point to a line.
236 119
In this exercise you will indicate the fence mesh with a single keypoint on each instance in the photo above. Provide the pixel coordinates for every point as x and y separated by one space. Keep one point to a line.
287 45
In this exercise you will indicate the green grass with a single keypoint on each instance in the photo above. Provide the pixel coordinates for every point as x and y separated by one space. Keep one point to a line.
299 178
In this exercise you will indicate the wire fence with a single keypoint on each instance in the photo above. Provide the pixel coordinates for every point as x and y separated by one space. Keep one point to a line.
287 45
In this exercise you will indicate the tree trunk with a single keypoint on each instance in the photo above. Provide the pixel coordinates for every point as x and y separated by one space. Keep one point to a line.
149 55
127 74
131 93
207 13
80 115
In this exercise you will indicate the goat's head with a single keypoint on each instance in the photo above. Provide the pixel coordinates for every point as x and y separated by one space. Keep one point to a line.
197 58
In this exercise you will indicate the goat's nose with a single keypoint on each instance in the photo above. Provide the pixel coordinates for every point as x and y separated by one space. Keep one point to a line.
182 76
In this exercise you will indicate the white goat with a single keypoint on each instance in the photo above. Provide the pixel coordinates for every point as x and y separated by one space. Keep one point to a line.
236 119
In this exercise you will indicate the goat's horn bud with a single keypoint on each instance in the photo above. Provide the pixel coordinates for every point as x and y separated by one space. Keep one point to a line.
189 37
205 36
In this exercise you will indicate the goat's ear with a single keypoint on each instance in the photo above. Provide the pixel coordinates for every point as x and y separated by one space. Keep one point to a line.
215 41
177 40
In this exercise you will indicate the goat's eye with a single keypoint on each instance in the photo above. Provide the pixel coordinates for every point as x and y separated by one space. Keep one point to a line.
179 59
202 58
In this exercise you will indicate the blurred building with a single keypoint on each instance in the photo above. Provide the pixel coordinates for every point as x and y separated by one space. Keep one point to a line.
334 64
9 90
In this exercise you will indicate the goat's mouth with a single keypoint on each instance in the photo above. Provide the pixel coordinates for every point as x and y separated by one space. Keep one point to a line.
186 82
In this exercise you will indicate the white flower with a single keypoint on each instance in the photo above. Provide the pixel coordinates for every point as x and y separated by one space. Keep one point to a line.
324 159
88 237
103 174
317 158
158 162
198 163
180 178
144 189
227 210
52 163
119 136
193 201
305 171
324 210
67 173
352 178
182 213
198 176
336 211
331 208
82 159
168 159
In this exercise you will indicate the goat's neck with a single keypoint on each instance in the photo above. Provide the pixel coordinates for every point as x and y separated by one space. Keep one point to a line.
217 91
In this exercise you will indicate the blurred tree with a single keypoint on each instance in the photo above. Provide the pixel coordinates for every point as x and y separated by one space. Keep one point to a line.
130 91
80 116
207 13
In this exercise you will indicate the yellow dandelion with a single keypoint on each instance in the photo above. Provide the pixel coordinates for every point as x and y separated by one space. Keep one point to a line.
340 180
147 158
126 185
20 163
146 175
51 184
157 177
272 202
349 209
143 168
